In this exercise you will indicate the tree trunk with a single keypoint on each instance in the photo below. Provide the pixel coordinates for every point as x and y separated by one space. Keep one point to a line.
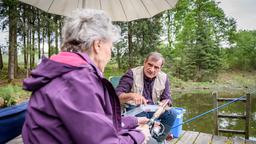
29 48
25 51
169 25
130 44
49 43
16 68
12 40
1 59
56 35
49 36
43 41
32 55
38 34
24 36
60 32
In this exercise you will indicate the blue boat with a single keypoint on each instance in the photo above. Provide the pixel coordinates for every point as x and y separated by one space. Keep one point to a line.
11 121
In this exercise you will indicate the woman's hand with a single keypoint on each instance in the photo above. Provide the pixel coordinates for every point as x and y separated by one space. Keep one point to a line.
144 129
142 120
135 98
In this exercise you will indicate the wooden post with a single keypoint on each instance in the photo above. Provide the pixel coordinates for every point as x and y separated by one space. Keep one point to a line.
215 101
248 116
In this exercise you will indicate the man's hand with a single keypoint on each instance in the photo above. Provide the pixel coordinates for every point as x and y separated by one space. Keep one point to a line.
138 99
134 97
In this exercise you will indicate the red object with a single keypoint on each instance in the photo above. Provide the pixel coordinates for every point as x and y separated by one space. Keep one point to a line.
169 137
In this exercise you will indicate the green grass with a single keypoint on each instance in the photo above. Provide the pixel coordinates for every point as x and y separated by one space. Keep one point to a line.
4 73
228 81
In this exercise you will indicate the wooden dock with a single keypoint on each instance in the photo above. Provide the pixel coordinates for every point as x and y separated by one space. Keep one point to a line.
187 137
191 137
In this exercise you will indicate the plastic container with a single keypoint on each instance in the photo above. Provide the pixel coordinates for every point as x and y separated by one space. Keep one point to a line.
114 80
176 130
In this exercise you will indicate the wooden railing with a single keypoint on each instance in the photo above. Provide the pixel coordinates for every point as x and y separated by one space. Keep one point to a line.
245 117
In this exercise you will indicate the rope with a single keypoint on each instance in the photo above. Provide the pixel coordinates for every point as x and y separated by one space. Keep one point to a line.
209 111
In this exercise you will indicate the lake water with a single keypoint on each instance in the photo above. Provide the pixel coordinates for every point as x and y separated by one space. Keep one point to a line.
196 104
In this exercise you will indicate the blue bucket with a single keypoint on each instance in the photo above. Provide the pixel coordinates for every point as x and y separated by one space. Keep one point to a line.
176 130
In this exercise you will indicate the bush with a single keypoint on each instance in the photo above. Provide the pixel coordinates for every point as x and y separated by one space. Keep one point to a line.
12 94
112 70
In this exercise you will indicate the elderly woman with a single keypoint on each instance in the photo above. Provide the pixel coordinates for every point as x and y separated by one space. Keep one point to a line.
71 102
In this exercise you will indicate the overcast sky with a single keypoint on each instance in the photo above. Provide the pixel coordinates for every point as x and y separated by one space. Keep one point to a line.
244 12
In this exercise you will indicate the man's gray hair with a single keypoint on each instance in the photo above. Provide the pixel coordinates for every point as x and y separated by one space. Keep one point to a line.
156 56
84 26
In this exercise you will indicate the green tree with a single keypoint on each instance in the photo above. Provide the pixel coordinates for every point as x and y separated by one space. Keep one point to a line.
139 38
12 51
200 29
243 55
121 46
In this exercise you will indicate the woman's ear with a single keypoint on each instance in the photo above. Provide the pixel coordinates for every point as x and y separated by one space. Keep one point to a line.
97 44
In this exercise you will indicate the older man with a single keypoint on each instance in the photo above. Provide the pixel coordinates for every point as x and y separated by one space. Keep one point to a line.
148 85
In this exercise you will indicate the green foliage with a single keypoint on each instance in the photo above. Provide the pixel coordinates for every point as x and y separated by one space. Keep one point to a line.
243 55
201 27
12 94
140 38
112 70
4 72
10 2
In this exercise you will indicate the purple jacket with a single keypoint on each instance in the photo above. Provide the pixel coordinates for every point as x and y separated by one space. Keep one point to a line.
74 104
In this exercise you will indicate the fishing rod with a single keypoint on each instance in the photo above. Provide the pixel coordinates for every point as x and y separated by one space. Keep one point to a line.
209 111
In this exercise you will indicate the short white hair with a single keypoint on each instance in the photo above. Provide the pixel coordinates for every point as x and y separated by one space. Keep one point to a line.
84 26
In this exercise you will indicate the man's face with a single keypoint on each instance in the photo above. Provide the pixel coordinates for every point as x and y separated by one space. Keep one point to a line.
152 68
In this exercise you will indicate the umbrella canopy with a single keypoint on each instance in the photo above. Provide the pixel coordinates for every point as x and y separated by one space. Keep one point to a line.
118 10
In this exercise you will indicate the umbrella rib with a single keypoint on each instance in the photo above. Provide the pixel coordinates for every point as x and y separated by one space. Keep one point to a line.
78 4
83 4
100 5
50 6
123 10
146 8
167 2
